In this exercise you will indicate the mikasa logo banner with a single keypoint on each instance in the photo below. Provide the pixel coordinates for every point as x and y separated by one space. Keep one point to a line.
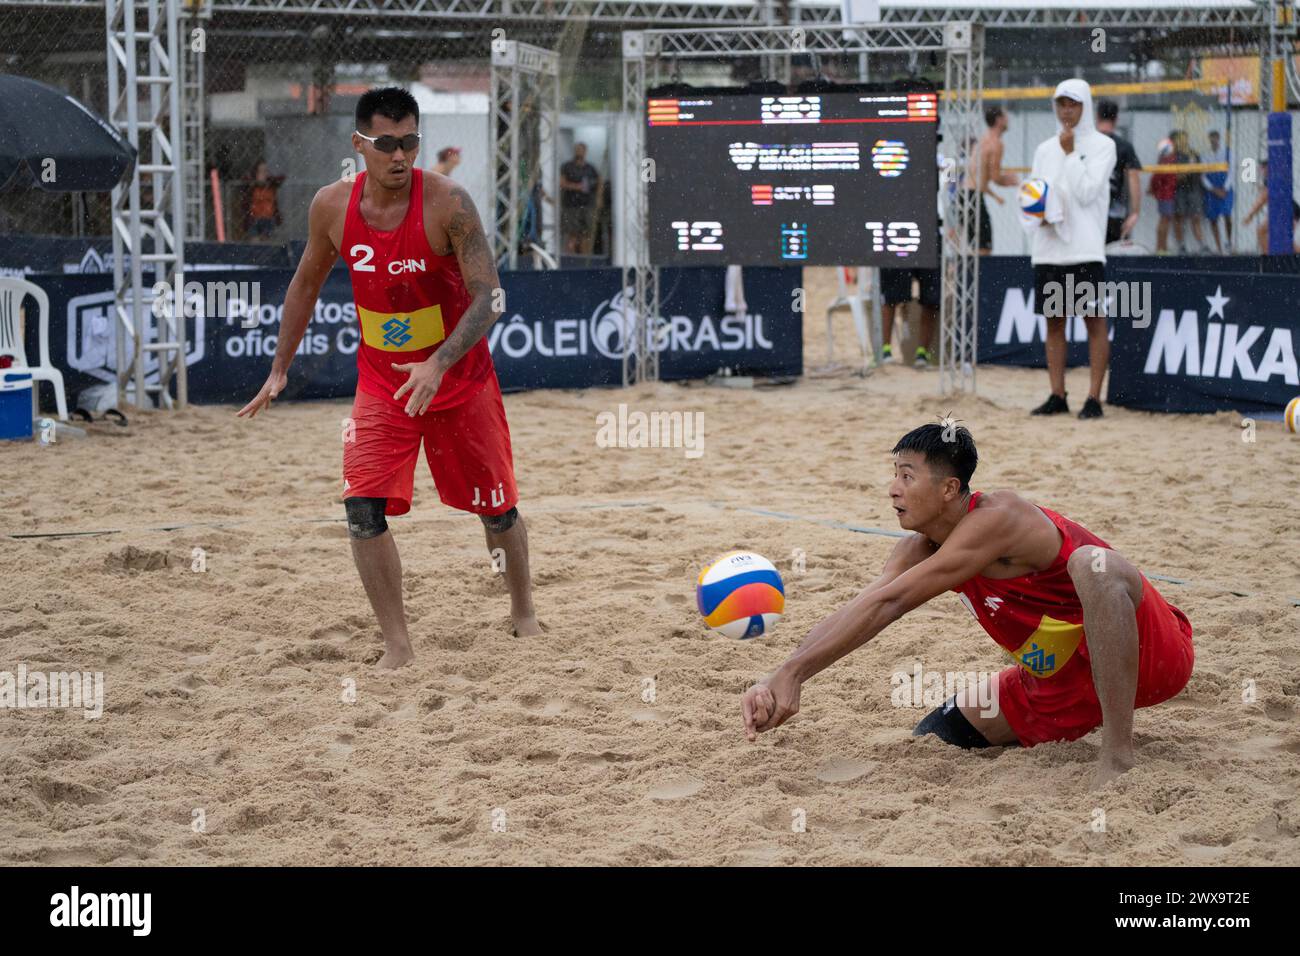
1185 345
1253 345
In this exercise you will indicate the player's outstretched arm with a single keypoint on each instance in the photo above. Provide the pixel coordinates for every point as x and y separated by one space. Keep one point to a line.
299 301
979 540
910 551
479 272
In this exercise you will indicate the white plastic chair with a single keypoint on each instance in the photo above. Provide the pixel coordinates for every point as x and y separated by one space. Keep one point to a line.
12 293
857 300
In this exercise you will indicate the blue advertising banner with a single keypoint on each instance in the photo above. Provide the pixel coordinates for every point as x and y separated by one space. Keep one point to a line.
1205 341
559 330
23 255
1011 330
566 329
1011 327
1214 342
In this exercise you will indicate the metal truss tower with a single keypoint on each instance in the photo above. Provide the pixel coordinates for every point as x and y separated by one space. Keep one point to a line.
525 98
145 35
702 13
198 13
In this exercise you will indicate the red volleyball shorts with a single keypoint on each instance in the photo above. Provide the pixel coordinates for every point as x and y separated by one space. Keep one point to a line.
1065 705
467 448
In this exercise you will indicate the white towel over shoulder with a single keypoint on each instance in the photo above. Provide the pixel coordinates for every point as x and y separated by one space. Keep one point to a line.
1053 216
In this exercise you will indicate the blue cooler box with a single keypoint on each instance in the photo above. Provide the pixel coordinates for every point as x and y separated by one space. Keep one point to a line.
15 403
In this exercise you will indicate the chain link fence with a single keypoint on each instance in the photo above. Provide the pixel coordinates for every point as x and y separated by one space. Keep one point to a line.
280 89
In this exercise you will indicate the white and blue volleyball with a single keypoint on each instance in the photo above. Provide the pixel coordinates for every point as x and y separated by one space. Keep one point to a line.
741 595
1033 197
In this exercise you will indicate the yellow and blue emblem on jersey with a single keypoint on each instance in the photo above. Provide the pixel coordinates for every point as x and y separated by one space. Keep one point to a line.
402 331
1049 648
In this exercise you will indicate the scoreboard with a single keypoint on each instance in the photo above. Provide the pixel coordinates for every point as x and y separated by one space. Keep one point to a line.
819 179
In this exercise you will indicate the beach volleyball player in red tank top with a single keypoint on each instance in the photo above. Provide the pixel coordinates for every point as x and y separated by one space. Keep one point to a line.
1091 637
426 292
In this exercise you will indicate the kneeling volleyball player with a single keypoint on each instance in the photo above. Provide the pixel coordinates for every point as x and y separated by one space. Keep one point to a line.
1091 637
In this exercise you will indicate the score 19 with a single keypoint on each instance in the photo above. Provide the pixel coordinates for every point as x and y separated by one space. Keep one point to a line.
903 238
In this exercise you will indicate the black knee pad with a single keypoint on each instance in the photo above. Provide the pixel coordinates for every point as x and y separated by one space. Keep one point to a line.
950 725
498 523
366 517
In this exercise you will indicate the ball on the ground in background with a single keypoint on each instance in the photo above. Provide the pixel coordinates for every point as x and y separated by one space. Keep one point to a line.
1033 197
1292 415
741 595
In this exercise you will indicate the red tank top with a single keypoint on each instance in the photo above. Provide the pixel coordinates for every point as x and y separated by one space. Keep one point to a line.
1036 617
408 301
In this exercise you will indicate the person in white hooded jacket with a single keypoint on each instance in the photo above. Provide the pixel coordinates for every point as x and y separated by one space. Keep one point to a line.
1076 164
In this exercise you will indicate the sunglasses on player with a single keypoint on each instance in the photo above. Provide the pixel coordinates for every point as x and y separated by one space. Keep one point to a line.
389 144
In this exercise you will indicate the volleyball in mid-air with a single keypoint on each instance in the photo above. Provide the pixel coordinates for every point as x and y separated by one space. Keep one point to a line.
1033 197
1292 415
741 595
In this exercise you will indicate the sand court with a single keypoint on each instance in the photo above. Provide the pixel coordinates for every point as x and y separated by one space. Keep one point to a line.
243 695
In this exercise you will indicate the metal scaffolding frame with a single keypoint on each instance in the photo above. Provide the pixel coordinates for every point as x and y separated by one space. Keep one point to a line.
702 13
1278 44
640 363
147 33
196 16
646 56
525 79
174 80
962 111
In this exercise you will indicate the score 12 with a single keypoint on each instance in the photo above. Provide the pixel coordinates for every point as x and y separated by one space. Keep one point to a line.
698 236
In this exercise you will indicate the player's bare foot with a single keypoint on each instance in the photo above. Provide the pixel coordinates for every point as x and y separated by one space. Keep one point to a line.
527 626
1109 767
395 656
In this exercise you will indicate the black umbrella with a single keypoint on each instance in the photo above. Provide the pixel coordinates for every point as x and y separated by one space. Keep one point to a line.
40 123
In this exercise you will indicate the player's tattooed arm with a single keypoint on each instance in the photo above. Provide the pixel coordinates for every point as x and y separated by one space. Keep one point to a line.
479 271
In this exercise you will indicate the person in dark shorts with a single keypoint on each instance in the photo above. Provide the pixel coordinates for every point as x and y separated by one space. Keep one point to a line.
984 172
1189 202
1069 252
1125 181
896 290
1052 285
578 183
1218 193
